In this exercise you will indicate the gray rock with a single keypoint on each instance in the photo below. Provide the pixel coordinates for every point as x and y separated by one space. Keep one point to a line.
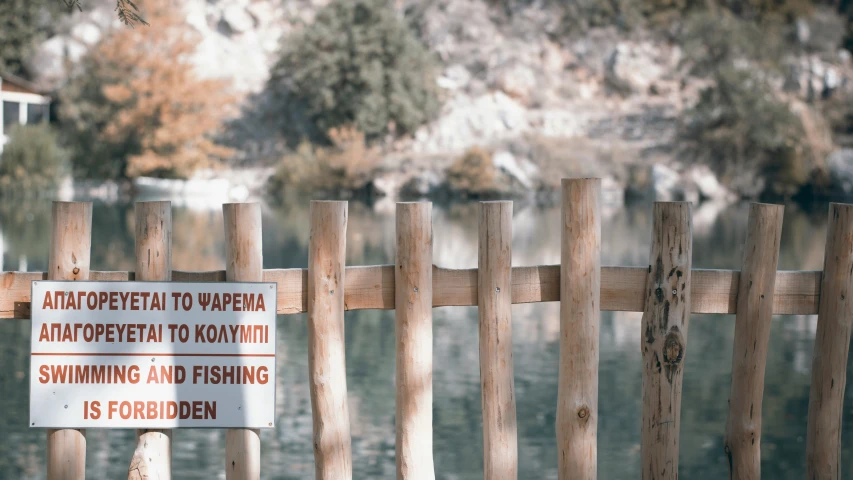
421 185
634 67
840 167
87 33
455 77
387 184
237 19
516 80
706 182
520 172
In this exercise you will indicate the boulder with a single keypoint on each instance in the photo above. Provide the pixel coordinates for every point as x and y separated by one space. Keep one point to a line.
516 80
469 121
707 184
87 33
387 184
236 19
421 185
635 67
518 172
839 165
455 77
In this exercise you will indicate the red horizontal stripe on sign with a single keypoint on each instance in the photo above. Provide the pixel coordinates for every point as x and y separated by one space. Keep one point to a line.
49 354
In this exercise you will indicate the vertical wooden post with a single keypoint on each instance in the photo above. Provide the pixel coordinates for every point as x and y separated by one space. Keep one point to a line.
244 262
752 335
153 455
494 302
326 362
413 305
580 314
70 250
832 341
664 337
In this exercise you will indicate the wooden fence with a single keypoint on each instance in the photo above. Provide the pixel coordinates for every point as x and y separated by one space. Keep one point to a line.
667 291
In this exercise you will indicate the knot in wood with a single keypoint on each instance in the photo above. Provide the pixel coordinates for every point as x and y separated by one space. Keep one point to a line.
583 412
673 348
76 270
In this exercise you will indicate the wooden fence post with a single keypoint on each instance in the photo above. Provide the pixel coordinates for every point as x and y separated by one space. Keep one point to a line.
664 337
70 250
326 361
153 455
832 341
244 262
494 287
580 314
752 335
413 305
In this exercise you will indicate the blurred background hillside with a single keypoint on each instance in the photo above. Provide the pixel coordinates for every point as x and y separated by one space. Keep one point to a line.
667 99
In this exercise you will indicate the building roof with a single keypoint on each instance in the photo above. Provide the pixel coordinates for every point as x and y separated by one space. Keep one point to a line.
19 84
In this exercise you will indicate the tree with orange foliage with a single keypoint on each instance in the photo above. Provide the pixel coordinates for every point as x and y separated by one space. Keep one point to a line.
137 107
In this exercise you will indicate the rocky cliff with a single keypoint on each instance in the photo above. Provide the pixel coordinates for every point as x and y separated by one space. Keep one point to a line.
548 104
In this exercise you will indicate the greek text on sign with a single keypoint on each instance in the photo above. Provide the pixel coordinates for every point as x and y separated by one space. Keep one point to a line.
152 355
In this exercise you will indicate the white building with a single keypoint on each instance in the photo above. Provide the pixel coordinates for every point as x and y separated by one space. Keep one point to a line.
21 104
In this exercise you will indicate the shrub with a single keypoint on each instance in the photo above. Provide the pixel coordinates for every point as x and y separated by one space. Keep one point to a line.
136 107
358 64
345 167
474 174
739 126
32 159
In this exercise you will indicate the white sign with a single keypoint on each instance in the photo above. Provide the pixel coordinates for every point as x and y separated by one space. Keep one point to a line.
152 355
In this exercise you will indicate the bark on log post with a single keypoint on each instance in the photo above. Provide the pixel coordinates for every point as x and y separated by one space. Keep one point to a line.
664 337
244 262
70 250
752 336
494 280
580 315
326 361
832 341
153 455
413 305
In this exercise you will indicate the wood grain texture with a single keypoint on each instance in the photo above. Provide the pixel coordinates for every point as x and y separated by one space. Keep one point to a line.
244 262
663 341
832 342
153 455
580 315
68 259
494 277
153 241
752 333
326 361
413 327
372 287
742 443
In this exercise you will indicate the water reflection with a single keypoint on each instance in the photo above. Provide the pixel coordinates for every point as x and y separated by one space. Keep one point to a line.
287 452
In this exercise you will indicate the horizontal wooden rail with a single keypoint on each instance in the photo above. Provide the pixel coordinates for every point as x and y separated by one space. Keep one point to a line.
372 287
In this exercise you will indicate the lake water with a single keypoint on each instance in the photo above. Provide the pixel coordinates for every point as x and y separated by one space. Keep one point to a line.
286 449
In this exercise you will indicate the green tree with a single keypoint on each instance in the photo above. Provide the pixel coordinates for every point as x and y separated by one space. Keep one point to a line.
24 23
356 65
